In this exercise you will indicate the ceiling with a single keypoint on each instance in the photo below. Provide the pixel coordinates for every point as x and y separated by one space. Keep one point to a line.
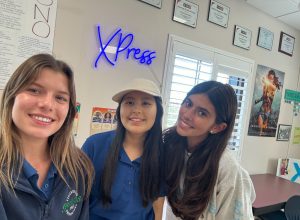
288 11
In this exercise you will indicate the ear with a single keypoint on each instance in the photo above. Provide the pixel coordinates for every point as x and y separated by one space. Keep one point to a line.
218 128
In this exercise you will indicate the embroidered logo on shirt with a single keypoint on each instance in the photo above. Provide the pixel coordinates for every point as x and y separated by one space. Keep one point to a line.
71 203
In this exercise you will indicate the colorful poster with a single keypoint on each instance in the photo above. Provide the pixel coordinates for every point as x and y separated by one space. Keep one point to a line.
26 28
266 102
103 119
289 168
76 119
296 138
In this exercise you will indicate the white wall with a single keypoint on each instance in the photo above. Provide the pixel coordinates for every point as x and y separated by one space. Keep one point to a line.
76 42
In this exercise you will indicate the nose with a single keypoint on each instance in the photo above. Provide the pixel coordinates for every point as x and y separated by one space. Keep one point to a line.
187 113
46 102
136 108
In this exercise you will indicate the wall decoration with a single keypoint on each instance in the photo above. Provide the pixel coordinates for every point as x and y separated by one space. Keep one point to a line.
242 37
76 119
289 168
186 12
26 28
110 53
156 3
293 97
265 38
218 13
266 102
284 132
286 44
103 119
296 138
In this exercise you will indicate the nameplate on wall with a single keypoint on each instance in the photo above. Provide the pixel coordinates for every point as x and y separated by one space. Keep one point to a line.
120 45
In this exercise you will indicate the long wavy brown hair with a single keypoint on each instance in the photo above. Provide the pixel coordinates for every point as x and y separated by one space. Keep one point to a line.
203 164
67 158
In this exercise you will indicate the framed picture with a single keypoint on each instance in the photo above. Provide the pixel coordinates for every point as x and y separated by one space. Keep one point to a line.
242 37
286 44
186 12
156 3
218 13
284 132
265 38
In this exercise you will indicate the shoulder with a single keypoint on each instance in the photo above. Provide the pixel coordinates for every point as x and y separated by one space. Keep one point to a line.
98 143
230 171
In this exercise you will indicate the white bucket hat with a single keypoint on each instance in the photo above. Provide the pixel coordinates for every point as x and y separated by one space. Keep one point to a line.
138 84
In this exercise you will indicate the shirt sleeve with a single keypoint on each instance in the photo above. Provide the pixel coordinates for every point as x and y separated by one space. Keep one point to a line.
2 212
235 199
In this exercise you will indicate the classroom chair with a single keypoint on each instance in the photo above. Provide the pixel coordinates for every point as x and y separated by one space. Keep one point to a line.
292 208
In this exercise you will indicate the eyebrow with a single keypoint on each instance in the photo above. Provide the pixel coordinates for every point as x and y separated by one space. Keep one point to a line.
59 91
199 107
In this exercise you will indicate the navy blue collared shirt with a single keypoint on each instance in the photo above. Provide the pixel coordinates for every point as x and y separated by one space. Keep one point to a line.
47 187
125 192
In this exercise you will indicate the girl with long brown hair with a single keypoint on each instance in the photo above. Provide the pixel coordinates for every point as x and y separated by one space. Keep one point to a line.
43 175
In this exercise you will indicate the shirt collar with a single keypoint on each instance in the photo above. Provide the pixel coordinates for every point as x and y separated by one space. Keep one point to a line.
29 171
125 159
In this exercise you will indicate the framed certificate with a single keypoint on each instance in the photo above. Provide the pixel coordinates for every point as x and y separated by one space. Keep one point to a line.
218 13
265 38
242 37
186 12
286 44
156 3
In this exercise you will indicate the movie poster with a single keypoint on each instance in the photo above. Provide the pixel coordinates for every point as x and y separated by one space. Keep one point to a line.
266 101
103 119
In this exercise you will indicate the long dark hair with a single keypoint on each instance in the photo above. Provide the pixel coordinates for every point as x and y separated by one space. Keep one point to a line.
202 165
152 158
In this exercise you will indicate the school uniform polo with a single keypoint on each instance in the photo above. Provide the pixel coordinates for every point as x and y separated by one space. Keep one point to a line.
31 174
125 191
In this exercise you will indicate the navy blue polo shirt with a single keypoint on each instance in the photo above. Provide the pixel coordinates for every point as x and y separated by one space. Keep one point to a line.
47 187
125 193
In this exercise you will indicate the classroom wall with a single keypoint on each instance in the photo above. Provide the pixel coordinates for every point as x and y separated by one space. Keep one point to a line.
76 42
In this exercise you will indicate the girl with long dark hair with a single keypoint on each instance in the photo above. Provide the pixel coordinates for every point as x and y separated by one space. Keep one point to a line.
127 161
204 181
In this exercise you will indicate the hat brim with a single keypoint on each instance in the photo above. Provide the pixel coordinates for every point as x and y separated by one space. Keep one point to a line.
119 96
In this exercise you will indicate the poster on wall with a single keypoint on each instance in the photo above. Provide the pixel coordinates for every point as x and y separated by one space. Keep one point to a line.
289 168
103 119
296 138
26 28
266 101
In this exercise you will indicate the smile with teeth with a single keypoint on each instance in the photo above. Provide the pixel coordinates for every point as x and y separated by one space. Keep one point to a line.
42 119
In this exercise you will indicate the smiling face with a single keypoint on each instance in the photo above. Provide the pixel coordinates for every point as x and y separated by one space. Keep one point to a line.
196 119
41 108
138 112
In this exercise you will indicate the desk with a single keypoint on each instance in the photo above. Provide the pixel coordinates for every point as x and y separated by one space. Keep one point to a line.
272 192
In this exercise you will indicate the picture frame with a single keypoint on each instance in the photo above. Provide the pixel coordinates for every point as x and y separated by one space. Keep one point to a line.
186 12
265 38
218 13
155 3
284 132
286 44
242 37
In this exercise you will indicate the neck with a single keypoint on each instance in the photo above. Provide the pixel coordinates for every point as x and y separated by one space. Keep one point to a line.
35 151
193 142
133 145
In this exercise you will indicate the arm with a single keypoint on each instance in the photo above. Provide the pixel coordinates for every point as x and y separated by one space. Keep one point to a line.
158 207
235 201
